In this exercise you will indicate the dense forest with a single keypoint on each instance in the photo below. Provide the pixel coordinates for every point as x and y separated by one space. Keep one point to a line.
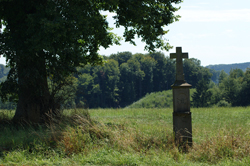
232 89
125 78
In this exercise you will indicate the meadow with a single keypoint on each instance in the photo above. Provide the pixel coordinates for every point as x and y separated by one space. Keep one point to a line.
221 136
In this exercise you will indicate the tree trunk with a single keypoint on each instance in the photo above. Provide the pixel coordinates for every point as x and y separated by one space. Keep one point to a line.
33 90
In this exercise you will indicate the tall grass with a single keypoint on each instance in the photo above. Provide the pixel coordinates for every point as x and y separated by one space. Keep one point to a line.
128 137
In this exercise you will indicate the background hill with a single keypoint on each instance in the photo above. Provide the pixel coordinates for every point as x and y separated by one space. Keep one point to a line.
228 67
162 99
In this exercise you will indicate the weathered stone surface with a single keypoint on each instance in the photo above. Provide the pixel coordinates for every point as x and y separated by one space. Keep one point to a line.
182 121
182 126
179 65
181 98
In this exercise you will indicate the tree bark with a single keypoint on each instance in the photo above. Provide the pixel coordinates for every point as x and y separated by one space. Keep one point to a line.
33 90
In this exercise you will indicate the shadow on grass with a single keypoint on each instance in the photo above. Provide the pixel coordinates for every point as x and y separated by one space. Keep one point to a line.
56 133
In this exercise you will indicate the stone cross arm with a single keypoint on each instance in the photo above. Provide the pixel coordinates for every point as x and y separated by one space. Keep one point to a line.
179 65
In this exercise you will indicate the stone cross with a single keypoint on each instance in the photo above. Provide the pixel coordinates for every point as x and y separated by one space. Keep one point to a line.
182 121
179 65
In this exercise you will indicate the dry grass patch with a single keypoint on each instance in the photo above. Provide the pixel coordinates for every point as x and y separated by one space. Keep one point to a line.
227 144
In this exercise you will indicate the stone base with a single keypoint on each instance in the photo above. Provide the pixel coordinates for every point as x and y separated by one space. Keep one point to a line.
182 124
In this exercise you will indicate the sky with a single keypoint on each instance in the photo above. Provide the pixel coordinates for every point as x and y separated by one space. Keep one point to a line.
213 31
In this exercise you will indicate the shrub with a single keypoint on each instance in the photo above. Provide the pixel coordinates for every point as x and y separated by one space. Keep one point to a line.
223 103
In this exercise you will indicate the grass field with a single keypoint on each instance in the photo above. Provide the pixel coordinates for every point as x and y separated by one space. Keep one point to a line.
221 136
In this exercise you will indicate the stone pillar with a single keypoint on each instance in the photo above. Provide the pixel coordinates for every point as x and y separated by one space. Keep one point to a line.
182 122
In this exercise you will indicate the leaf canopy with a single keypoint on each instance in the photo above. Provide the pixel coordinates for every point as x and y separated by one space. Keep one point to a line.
65 34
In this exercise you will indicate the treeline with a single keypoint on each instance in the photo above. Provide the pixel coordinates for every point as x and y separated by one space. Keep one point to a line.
125 78
232 89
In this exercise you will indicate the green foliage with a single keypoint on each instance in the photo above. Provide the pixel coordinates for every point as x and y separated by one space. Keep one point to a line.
164 73
222 76
216 95
66 95
148 66
231 86
50 39
120 84
232 89
130 79
244 94
121 57
202 96
215 75
98 85
223 103
194 72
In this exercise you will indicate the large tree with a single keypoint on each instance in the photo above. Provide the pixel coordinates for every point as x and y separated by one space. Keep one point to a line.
45 40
